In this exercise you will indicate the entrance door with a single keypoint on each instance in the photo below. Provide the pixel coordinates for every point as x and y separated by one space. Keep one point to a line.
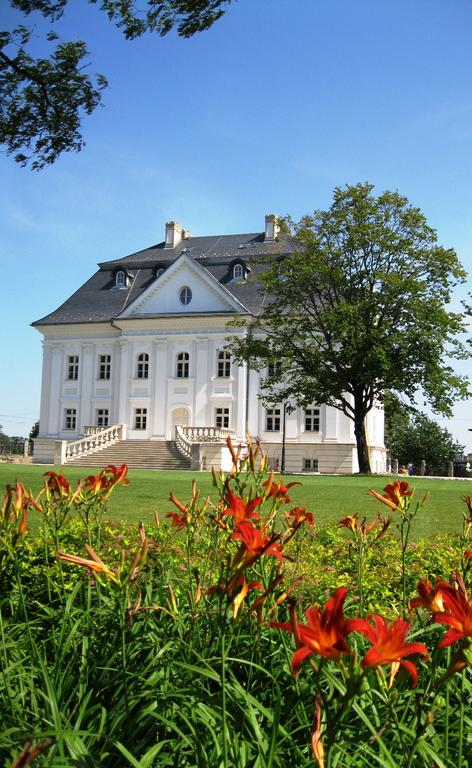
179 418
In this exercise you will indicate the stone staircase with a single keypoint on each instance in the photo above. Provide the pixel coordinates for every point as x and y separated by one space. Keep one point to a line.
137 454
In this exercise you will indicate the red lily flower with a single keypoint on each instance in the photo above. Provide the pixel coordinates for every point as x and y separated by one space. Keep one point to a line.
118 473
57 484
388 645
300 516
179 521
238 508
95 563
255 543
325 633
278 490
96 483
237 590
395 494
468 553
430 597
457 612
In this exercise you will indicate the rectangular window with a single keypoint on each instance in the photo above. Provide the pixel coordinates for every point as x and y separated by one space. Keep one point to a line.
224 365
104 366
101 417
140 418
273 420
142 367
183 365
312 420
222 417
274 370
310 464
73 367
70 418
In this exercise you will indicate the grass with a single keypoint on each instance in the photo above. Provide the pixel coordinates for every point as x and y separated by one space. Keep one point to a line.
328 497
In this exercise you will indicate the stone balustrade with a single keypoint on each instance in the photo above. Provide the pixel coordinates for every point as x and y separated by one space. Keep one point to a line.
207 434
96 439
190 441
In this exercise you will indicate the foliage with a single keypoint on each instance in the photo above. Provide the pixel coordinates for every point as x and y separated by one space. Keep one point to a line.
358 307
176 644
415 438
11 444
43 100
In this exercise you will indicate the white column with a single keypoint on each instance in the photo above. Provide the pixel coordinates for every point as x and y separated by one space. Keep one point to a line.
87 378
159 390
239 401
255 408
44 426
331 425
55 391
123 387
202 417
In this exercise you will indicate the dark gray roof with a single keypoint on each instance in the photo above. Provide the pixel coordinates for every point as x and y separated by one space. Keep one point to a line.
98 300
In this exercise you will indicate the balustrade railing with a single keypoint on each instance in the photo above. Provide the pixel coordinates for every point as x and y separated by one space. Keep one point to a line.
189 441
182 442
95 439
207 434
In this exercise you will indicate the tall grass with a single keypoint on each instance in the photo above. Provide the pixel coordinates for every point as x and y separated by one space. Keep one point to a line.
183 644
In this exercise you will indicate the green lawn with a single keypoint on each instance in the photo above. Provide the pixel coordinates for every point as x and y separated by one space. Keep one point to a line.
329 498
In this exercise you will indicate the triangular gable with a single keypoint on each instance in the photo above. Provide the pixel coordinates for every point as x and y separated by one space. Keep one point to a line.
163 295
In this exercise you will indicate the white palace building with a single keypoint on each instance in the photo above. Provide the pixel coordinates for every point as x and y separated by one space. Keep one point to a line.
135 370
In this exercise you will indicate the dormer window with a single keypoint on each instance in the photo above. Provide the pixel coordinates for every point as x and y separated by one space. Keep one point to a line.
185 295
120 279
238 272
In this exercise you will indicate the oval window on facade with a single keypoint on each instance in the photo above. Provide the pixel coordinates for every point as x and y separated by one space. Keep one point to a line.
185 295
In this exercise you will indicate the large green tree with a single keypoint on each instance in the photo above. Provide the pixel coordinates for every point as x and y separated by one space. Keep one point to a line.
414 437
358 307
43 99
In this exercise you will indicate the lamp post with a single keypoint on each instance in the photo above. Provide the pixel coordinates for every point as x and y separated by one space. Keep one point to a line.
286 406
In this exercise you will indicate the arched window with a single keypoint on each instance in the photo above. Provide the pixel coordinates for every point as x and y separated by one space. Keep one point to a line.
142 366
182 365
223 369
120 279
238 271
185 295
159 271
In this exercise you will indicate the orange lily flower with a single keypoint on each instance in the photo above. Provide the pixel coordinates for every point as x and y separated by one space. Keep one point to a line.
324 634
316 743
95 564
395 494
388 645
300 516
97 483
430 597
118 474
278 490
57 484
238 508
456 613
179 521
255 543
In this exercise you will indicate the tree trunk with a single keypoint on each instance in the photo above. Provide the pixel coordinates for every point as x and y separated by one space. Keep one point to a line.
361 442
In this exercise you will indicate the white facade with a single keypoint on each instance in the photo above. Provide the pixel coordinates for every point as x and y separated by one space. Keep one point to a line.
160 363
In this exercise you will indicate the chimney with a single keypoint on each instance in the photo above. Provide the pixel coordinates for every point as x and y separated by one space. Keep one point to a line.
271 227
174 234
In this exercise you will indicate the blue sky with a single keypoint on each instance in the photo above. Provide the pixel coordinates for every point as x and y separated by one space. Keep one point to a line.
268 111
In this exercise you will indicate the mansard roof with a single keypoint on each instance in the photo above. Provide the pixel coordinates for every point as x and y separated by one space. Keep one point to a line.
98 300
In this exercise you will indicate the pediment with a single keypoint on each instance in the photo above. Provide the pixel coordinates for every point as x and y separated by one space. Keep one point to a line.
165 294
